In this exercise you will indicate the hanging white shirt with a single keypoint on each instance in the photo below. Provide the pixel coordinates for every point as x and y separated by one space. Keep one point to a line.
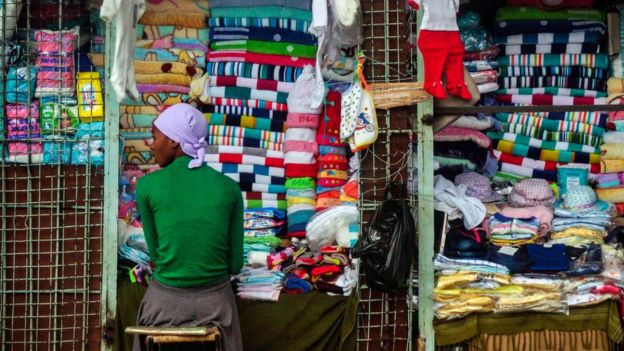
439 15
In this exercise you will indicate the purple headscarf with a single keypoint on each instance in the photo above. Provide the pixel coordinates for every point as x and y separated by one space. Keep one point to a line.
186 125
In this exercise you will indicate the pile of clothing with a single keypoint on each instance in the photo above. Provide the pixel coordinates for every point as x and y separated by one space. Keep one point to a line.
261 284
255 57
480 52
262 228
610 182
464 147
550 58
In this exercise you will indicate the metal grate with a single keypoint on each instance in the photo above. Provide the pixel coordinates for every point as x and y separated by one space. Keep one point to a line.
51 185
385 321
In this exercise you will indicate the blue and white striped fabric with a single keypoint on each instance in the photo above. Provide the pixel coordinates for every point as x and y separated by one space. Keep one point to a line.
242 168
283 23
262 34
585 48
548 38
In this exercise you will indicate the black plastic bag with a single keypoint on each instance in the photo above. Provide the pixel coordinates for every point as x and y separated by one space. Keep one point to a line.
386 248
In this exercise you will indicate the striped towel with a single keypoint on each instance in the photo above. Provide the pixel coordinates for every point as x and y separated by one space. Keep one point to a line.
262 104
251 83
238 168
249 122
263 188
279 204
567 71
254 70
237 132
526 172
541 133
235 92
265 59
552 91
244 155
553 81
547 38
550 100
254 195
551 125
598 119
544 154
524 49
260 22
541 144
504 28
266 48
263 34
246 111
248 142
541 165
252 178
550 60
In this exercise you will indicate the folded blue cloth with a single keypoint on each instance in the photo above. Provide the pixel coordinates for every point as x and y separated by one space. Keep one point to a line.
554 258
262 34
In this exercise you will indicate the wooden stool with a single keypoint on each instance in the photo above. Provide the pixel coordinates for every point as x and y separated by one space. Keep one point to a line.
177 335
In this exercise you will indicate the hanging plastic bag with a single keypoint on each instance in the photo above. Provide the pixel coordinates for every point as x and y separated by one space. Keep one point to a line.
386 248
346 23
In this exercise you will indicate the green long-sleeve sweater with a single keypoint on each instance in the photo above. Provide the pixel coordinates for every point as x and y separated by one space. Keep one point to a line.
193 224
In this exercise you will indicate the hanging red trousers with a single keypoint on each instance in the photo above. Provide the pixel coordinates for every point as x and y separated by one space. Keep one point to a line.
443 53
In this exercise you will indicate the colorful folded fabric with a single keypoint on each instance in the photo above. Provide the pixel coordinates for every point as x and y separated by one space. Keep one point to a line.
164 78
597 119
552 91
613 137
254 195
252 57
265 47
260 22
526 26
549 81
297 4
263 11
525 49
190 57
541 133
157 99
249 122
136 133
550 125
251 83
218 34
523 13
244 155
539 164
566 71
246 111
235 92
611 166
263 188
164 31
542 144
249 178
613 195
612 151
279 204
548 38
248 142
237 132
242 168
162 88
482 65
537 153
254 70
554 100
460 134
261 104
182 19
552 60
298 170
528 172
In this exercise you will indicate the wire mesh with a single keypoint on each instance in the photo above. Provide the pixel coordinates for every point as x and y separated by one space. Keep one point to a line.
385 321
51 178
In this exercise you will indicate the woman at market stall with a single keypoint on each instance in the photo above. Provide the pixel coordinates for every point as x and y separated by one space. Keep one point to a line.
193 222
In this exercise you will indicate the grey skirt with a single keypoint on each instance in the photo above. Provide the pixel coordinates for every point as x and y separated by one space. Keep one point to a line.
165 306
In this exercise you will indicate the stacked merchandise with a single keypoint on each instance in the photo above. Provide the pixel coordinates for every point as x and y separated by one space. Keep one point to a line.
259 284
257 53
261 228
534 253
464 147
170 49
610 181
301 150
480 54
549 58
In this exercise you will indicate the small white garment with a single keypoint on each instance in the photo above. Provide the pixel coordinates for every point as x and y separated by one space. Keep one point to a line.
126 14
439 14
319 28
454 201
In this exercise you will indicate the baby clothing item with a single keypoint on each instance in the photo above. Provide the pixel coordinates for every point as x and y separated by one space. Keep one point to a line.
455 202
126 13
442 49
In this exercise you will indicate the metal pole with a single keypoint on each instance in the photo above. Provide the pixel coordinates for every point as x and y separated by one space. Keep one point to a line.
425 215
111 185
